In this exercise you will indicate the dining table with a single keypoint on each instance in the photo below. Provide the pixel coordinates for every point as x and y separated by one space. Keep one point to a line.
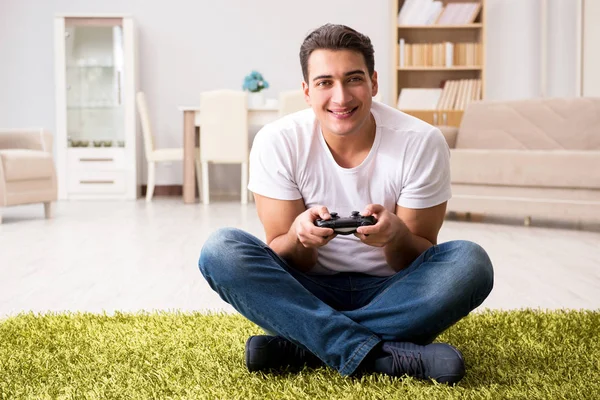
257 116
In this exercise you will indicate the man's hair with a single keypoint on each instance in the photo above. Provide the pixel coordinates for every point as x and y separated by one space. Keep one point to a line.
336 37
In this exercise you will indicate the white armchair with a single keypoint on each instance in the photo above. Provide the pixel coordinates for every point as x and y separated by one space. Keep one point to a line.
27 171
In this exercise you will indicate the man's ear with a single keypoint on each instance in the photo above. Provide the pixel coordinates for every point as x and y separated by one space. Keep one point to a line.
306 94
375 85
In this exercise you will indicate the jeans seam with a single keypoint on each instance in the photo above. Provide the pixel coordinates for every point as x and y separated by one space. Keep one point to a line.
435 249
359 350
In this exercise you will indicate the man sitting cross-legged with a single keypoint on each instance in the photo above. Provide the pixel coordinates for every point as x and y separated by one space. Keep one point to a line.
371 301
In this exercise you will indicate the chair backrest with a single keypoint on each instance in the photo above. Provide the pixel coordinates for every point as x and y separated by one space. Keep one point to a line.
145 119
224 126
291 101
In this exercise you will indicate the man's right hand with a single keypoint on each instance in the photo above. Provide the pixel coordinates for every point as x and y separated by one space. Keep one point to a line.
307 233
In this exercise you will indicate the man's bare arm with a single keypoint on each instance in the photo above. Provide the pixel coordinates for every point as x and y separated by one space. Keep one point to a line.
404 235
423 228
293 238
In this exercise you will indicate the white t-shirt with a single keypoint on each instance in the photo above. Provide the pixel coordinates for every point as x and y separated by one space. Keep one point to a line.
408 165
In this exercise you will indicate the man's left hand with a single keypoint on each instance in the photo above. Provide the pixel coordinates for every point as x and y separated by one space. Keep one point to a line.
387 229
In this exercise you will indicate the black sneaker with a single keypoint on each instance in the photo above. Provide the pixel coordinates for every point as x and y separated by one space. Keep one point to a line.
274 352
438 361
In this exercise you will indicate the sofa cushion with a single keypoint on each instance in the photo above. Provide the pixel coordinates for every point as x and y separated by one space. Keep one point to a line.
537 124
533 168
19 164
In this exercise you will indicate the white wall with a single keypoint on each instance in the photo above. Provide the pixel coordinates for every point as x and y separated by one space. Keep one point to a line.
512 49
591 55
190 46
562 48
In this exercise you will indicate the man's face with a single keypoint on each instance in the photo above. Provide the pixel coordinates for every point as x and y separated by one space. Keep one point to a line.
340 91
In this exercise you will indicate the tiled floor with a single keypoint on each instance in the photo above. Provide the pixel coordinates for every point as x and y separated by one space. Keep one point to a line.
130 256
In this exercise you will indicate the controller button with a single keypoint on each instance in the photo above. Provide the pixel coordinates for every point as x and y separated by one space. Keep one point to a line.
355 213
333 214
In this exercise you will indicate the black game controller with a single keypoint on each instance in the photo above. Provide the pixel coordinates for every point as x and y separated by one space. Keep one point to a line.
345 226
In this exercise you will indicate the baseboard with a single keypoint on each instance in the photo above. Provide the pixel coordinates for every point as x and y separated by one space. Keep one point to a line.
165 190
177 190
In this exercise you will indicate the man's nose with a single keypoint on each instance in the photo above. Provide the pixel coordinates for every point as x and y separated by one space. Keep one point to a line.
341 95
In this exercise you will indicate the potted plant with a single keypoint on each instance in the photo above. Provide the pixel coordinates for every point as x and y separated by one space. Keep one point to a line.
255 83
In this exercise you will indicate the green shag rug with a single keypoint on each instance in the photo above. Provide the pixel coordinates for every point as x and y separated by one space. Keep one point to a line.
509 355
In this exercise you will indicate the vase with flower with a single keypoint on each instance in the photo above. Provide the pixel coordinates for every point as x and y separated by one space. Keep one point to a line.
255 83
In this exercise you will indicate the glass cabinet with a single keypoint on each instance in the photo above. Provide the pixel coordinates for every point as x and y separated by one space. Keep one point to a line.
94 59
97 148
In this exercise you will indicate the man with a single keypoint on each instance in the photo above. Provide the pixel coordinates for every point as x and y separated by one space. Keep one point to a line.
372 301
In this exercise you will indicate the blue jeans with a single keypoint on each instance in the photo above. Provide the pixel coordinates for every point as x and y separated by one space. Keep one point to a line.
340 318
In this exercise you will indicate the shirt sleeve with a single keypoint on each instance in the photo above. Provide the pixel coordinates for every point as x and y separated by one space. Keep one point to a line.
271 166
427 182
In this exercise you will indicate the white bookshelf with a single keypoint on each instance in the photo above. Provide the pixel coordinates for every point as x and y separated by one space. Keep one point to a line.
435 43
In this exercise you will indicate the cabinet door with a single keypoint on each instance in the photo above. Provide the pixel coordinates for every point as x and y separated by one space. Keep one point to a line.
438 117
425 115
94 62
450 117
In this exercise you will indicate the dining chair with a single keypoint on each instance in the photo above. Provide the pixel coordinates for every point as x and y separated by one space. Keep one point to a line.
154 155
291 101
224 135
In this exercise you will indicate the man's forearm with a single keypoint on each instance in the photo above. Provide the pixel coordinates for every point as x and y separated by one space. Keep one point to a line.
401 252
289 248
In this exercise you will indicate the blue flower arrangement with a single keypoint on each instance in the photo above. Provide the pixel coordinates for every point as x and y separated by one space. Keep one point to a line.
255 82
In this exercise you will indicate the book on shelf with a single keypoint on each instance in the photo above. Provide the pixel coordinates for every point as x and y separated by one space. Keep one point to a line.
432 12
446 54
454 95
459 14
419 98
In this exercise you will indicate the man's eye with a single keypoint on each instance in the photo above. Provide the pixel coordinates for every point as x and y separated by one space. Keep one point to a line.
322 83
355 79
